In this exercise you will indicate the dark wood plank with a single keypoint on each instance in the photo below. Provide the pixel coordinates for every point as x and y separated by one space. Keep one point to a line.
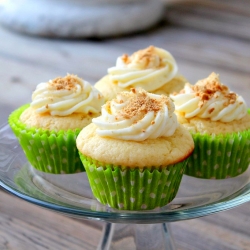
227 230
26 226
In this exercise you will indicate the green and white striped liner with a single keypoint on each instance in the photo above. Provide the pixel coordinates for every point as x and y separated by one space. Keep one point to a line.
128 188
48 151
219 156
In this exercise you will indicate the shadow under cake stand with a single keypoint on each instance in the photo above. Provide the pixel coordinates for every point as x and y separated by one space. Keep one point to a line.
141 230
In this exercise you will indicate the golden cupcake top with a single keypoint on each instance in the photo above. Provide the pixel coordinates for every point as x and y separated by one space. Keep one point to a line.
150 69
137 115
64 96
211 99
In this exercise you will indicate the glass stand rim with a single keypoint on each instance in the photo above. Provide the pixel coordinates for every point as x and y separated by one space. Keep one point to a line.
20 179
138 218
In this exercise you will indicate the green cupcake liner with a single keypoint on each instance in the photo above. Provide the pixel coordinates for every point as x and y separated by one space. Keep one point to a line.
125 188
48 151
219 156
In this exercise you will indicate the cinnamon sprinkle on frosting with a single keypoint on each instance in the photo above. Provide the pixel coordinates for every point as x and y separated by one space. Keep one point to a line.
64 83
210 99
210 110
140 104
206 89
133 90
145 56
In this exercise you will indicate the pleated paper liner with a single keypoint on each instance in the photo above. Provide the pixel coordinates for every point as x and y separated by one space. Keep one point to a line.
48 151
133 189
219 156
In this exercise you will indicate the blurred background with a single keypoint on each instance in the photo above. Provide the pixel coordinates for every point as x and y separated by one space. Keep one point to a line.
40 40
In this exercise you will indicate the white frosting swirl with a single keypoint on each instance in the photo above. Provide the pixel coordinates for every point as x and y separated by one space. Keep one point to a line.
66 95
210 99
137 116
149 69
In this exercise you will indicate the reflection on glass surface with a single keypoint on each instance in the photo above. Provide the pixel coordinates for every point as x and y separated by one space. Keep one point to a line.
71 193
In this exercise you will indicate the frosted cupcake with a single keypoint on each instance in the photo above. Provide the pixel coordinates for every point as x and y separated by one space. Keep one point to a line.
47 127
135 153
220 124
153 69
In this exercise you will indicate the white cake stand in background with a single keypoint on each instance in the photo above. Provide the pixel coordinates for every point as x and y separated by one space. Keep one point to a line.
70 194
80 18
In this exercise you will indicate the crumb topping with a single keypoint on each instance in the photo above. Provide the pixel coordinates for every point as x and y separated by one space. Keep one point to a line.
125 58
210 110
133 90
140 103
208 88
64 83
146 57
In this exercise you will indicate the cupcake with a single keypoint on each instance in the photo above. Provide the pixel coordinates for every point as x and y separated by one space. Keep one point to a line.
153 69
135 153
47 127
220 125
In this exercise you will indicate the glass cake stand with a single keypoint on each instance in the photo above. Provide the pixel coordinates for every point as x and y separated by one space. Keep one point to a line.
71 195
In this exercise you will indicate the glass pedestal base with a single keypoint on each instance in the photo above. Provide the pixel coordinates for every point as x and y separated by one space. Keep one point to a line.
136 237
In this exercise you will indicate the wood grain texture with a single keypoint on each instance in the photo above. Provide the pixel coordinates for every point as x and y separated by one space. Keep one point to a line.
26 61
25 226
230 18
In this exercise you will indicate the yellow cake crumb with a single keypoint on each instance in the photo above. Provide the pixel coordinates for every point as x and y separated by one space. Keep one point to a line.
56 123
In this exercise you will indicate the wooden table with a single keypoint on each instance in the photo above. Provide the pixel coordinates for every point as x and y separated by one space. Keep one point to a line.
26 61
